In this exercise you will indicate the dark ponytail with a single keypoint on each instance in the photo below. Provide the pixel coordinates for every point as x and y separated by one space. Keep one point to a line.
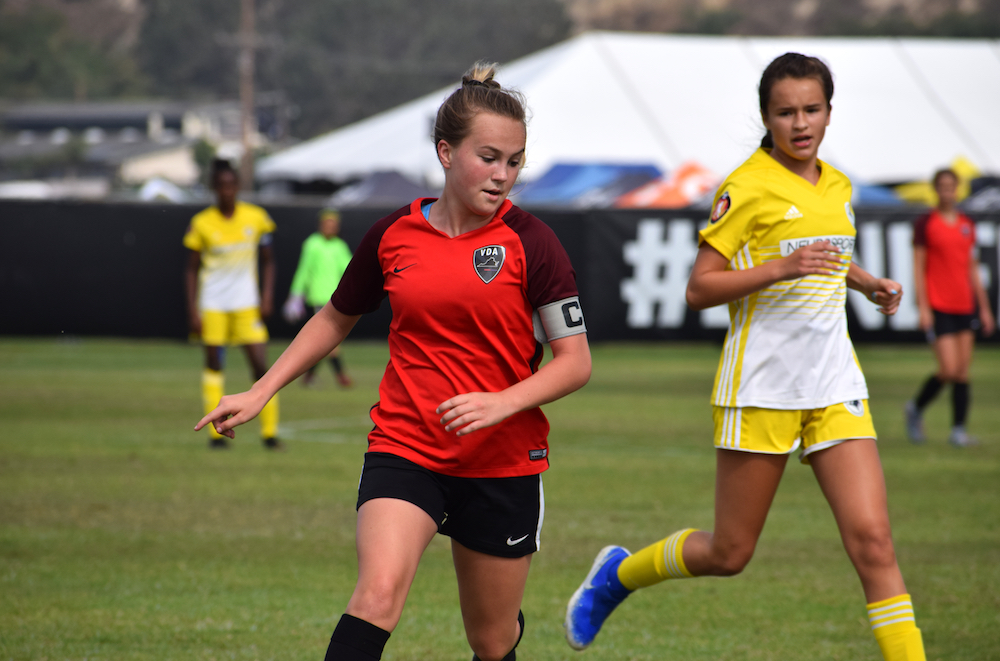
792 65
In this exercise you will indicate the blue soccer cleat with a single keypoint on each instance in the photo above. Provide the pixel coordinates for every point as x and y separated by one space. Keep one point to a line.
593 601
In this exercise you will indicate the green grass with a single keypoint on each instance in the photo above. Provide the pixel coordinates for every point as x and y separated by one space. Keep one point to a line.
123 537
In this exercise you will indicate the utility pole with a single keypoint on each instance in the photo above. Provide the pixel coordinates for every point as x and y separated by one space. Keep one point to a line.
248 118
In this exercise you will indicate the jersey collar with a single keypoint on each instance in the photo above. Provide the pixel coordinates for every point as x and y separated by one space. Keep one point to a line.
821 183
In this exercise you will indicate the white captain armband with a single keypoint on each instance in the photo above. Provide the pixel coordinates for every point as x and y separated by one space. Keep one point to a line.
560 319
266 239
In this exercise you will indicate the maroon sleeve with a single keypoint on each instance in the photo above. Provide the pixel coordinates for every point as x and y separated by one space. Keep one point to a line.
920 230
550 274
361 290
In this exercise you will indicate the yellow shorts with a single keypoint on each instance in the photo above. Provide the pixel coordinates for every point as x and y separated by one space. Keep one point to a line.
775 431
235 327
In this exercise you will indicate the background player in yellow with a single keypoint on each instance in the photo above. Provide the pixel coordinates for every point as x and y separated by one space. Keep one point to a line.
778 250
324 259
226 304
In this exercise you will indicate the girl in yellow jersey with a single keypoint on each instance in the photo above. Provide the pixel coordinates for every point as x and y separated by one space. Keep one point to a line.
778 250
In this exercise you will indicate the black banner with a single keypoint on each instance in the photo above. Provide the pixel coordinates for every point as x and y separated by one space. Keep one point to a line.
117 269
638 261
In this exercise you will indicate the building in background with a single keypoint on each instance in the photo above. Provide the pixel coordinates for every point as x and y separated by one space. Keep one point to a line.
92 149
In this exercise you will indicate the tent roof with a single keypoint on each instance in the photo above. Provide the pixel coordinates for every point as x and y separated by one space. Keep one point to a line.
902 108
380 189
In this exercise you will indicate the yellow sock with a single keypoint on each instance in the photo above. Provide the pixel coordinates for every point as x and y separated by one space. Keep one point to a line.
656 563
269 419
895 629
212 386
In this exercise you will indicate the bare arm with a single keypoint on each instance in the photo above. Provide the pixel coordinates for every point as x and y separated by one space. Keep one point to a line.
920 284
982 299
321 334
883 292
711 284
267 271
568 370
191 290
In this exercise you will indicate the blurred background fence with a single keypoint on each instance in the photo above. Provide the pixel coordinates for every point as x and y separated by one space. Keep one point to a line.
116 269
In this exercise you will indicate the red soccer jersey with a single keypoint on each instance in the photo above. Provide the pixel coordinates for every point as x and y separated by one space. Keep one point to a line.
949 253
461 322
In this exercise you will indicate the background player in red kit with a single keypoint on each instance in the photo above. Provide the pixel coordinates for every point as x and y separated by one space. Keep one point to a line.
953 304
476 285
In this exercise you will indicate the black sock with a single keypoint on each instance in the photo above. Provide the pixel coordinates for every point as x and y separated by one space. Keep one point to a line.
959 403
338 367
512 655
930 390
356 640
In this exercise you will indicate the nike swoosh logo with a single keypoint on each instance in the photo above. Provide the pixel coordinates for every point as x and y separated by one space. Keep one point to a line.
515 542
397 269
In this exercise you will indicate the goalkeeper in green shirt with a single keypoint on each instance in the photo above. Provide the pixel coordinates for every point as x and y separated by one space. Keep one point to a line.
324 259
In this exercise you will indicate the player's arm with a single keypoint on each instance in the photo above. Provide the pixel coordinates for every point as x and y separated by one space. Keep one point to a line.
294 308
191 268
568 370
883 292
711 284
303 271
321 334
267 271
985 314
926 315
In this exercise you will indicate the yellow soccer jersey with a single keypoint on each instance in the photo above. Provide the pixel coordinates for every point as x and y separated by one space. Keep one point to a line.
787 345
228 247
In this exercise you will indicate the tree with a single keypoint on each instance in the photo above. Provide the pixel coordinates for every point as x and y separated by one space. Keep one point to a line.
41 58
341 60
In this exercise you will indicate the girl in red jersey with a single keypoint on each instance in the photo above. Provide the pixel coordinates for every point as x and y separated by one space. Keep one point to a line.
952 303
459 442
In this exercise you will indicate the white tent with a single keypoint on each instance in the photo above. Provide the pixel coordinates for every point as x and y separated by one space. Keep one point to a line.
902 108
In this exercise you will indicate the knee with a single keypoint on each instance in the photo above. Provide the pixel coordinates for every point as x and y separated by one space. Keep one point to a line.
871 547
949 375
491 649
731 559
380 603
492 645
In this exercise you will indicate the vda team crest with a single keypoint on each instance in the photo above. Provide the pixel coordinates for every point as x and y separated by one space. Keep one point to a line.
488 261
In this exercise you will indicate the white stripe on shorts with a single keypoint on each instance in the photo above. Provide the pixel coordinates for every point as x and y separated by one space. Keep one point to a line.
732 419
541 514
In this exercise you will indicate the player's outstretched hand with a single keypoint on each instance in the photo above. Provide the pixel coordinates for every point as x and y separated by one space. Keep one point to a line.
232 411
887 294
822 258
472 411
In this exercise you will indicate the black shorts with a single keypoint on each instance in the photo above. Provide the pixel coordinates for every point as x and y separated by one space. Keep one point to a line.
945 323
499 516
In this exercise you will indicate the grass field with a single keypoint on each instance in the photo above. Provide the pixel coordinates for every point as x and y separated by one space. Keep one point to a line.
123 537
